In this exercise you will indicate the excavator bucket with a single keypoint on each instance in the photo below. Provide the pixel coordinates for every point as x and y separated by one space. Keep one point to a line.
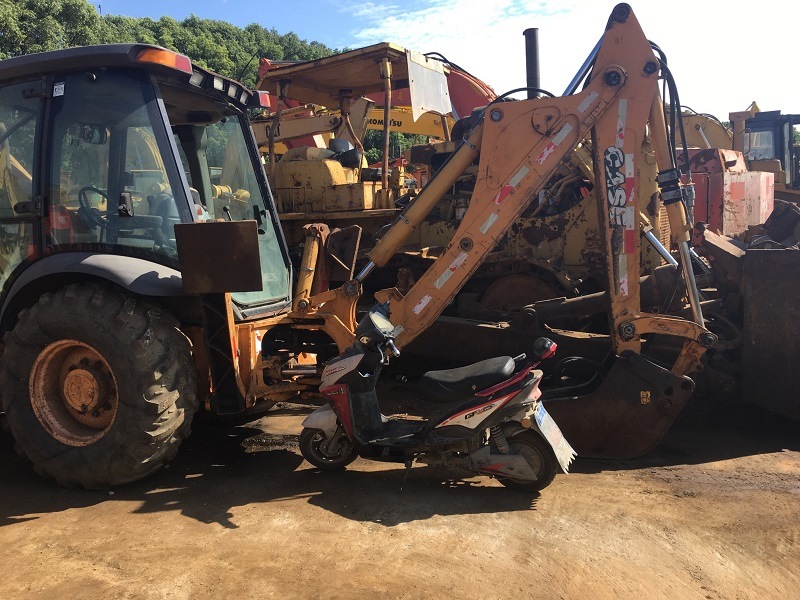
624 415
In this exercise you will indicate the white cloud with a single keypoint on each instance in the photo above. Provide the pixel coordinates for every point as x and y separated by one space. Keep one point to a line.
369 10
723 53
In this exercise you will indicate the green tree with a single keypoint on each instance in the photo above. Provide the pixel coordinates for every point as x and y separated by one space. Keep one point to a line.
398 143
11 34
128 30
28 26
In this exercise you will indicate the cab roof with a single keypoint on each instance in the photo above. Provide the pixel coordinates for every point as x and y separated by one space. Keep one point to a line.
75 59
182 73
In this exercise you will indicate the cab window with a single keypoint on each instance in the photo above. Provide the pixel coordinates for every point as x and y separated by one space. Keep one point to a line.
114 187
224 177
19 119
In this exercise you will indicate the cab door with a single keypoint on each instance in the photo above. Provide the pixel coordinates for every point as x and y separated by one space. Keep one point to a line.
20 205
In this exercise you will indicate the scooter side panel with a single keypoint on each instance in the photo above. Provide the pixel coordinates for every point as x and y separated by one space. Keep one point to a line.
473 416
476 412
338 368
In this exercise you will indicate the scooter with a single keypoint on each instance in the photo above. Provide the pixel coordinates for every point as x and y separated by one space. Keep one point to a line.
490 420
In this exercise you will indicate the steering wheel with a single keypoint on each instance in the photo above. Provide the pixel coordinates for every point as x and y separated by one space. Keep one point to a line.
87 212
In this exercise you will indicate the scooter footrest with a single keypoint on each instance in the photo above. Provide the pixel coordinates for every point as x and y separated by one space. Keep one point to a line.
399 433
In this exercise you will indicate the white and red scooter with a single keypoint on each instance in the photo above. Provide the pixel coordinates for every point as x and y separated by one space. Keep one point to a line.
490 421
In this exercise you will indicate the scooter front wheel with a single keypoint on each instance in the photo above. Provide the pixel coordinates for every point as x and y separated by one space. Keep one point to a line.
540 457
323 453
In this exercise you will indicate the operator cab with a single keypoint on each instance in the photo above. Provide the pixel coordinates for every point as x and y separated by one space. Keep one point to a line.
113 146
769 141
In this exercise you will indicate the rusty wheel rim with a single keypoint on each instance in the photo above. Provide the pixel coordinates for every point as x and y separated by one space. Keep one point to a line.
73 393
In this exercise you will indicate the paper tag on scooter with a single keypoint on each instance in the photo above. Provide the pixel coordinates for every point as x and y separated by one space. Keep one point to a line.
552 433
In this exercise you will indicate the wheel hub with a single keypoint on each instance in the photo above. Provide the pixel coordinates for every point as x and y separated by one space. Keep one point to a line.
82 390
73 392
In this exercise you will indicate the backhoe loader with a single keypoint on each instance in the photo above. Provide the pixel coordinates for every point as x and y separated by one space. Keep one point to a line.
139 286
111 340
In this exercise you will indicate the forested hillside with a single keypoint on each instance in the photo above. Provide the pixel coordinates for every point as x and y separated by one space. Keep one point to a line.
28 26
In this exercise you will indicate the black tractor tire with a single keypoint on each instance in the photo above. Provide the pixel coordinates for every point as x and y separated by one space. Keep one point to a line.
310 440
137 357
539 455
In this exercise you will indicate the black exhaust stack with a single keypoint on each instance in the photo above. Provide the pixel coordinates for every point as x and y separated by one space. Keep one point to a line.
532 60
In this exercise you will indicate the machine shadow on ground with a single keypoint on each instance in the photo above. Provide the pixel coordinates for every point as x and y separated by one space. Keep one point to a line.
218 470
215 472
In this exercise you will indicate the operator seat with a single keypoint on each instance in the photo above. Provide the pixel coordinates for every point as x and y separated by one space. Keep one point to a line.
348 155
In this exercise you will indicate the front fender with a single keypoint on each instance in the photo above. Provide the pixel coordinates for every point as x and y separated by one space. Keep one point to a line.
323 418
136 275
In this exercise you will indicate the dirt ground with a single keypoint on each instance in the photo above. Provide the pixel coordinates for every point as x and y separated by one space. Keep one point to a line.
713 513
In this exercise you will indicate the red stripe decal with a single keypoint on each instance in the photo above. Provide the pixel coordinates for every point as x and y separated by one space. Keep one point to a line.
501 195
630 241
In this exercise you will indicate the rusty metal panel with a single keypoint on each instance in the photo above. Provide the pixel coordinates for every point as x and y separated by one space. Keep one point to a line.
751 201
320 81
219 256
771 344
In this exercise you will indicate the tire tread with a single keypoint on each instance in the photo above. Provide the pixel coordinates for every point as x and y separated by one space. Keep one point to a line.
157 414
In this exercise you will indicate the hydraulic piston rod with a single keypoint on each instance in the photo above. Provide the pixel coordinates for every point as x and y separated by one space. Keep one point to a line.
676 212
659 247
691 284
583 71
423 204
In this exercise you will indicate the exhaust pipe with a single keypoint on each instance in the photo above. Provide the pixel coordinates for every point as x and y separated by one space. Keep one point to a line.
532 60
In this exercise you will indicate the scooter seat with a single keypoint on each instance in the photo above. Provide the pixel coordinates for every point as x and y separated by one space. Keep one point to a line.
457 384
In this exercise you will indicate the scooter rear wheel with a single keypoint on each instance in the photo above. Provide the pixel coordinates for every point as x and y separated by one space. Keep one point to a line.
311 447
540 457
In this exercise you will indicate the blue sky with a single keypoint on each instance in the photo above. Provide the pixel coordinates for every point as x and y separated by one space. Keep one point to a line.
723 53
323 21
